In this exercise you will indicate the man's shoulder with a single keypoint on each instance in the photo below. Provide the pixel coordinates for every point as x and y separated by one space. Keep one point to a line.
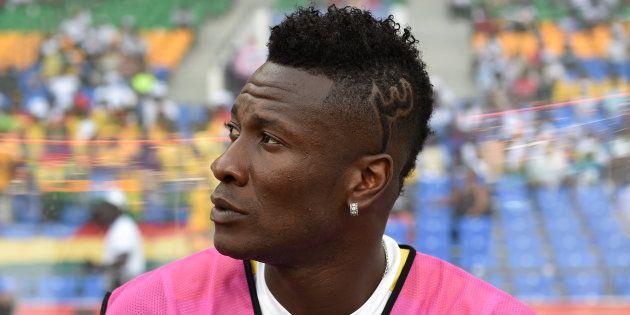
189 277
203 262
433 284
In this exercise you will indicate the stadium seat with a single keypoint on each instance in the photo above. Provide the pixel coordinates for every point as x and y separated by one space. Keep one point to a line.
511 182
475 234
575 259
518 225
181 214
92 287
433 224
57 287
439 184
9 284
397 230
184 121
563 117
623 71
525 260
593 200
435 244
584 284
524 242
617 258
103 174
18 230
26 208
496 280
57 230
561 224
155 211
75 215
568 241
597 69
533 285
621 283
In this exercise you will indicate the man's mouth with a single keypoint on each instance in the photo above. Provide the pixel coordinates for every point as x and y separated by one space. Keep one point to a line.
224 212
225 216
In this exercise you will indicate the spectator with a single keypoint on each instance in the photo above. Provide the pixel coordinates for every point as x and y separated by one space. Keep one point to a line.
547 164
472 198
123 257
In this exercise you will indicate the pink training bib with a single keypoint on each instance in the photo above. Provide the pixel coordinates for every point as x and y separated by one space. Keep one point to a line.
210 283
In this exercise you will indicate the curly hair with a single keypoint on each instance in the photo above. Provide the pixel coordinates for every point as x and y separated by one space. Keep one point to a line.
380 80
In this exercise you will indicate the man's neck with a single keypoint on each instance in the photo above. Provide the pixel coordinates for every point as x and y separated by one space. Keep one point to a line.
338 285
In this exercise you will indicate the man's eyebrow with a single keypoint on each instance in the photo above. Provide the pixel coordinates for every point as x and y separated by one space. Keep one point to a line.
262 122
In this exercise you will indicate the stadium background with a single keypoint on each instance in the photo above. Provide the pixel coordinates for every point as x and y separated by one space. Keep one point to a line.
532 117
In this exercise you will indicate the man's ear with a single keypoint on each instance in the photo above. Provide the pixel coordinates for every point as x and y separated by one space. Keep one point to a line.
370 178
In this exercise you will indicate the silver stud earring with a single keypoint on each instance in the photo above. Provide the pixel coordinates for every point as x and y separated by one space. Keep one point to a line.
354 209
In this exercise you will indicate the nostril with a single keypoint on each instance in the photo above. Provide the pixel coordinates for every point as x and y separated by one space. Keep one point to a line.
227 179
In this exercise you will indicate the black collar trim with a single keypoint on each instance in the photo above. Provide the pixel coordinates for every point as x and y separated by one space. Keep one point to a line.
104 303
401 279
253 295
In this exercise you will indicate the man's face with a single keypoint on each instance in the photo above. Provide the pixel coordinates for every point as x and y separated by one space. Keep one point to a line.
281 189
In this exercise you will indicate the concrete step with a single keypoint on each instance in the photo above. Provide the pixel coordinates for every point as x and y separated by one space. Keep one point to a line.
444 43
189 83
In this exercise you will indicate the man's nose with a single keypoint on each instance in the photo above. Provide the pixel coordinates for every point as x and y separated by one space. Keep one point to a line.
231 167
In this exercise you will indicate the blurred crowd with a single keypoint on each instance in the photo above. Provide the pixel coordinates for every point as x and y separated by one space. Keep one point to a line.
554 89
92 103
521 57
82 68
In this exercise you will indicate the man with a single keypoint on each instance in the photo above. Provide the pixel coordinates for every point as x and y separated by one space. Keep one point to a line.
323 135
123 257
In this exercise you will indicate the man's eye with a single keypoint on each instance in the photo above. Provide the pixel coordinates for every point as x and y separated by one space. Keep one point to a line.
234 132
268 139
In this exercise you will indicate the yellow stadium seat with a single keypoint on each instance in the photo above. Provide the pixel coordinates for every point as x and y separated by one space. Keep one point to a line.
582 45
602 37
509 43
565 90
552 37
167 48
528 44
19 50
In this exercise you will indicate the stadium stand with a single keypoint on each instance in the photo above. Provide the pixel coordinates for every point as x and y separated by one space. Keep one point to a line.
552 106
83 110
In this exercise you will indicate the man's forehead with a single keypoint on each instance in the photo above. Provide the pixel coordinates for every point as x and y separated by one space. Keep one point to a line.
287 85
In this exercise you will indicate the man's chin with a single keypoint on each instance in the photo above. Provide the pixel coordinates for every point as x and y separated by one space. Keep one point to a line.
231 247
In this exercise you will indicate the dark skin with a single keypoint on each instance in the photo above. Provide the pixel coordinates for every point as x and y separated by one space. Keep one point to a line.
287 179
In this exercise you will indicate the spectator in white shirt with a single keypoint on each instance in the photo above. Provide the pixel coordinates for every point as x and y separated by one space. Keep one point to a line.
123 257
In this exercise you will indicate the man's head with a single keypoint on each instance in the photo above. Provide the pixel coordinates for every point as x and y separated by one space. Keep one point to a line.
379 79
104 213
336 115
106 208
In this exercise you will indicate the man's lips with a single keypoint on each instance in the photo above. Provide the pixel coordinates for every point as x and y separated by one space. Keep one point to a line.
225 212
224 204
